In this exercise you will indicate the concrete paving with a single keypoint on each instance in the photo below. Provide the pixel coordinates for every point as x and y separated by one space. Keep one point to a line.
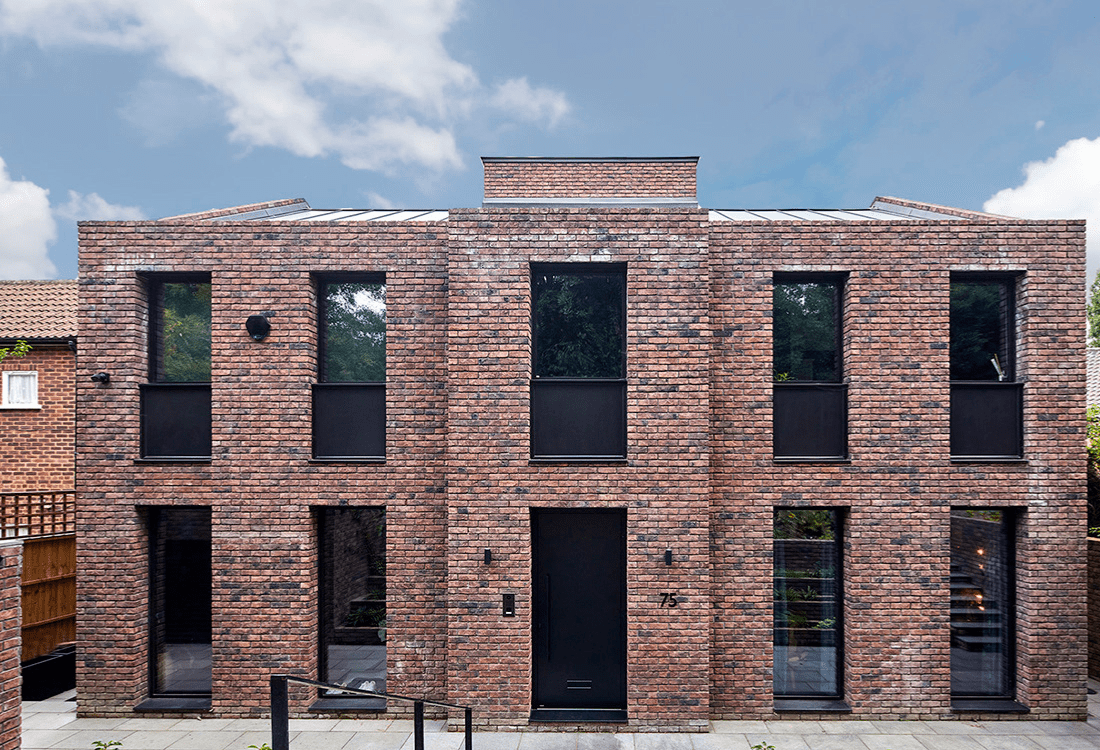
53 724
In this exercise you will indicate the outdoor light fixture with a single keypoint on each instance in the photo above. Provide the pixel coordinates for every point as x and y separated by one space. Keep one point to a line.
668 557
258 327
102 378
488 556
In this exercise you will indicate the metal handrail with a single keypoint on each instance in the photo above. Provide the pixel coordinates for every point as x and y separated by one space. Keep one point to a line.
280 710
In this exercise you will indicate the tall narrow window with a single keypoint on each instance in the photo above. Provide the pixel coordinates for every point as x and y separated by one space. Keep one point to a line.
986 400
809 402
578 388
175 403
179 601
353 601
349 402
982 603
807 609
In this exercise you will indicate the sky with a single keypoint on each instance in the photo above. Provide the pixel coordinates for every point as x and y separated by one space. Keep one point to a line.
131 109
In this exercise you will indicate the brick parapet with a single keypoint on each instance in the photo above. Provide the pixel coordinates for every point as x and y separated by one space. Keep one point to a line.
581 178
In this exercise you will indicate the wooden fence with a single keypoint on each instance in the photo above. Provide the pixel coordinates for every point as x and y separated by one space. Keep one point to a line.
46 522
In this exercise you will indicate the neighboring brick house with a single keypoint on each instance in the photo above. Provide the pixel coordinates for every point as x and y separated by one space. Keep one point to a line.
586 455
38 391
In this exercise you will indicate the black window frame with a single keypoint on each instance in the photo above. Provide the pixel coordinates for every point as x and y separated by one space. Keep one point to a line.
825 700
156 564
821 403
334 401
986 422
1005 700
176 421
578 400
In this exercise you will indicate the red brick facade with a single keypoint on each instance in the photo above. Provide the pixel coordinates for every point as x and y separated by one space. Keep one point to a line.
606 178
699 478
37 453
10 644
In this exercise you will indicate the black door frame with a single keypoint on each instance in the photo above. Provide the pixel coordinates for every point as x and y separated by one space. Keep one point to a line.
615 708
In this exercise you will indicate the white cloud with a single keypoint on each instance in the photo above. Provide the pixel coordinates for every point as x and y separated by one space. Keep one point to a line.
1065 186
1040 124
533 105
380 201
92 207
26 229
282 68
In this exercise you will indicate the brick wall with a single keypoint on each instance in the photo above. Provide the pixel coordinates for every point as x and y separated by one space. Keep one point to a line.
900 483
261 481
578 178
10 645
699 478
664 486
37 450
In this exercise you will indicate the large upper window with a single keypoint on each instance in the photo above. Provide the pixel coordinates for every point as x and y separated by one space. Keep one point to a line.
809 406
807 611
578 388
349 402
983 637
986 400
175 404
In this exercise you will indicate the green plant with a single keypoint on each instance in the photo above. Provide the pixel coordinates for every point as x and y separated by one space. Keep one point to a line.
21 349
761 746
827 624
108 744
794 594
782 377
261 746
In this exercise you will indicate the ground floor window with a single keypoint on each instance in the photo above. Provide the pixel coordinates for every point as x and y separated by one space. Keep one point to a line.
982 603
179 601
353 598
807 611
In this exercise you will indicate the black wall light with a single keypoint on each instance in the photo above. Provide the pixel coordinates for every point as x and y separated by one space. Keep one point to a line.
102 378
258 327
668 557
488 556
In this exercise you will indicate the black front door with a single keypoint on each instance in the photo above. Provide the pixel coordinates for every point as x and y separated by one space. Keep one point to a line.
579 608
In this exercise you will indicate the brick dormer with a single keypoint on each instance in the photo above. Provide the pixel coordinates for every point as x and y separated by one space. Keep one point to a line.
626 181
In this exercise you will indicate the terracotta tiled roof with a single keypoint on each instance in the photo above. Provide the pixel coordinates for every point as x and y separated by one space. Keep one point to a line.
1092 360
38 309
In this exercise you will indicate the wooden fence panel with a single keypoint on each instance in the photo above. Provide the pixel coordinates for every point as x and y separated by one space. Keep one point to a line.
49 594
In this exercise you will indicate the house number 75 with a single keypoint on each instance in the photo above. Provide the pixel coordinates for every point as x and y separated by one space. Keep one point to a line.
669 599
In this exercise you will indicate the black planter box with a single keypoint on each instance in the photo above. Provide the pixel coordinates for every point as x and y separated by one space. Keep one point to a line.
49 675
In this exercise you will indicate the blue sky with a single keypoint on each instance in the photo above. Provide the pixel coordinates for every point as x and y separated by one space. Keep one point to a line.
121 109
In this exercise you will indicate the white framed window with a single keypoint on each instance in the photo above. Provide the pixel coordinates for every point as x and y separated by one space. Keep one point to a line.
20 389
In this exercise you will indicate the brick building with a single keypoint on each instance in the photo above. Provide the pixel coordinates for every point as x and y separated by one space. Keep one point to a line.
586 454
38 391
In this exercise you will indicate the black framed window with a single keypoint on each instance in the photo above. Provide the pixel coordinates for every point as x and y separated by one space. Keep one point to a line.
578 386
808 617
349 402
809 399
986 400
983 593
180 577
175 403
353 602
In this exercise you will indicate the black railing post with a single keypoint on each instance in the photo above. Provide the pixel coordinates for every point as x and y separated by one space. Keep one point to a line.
418 726
280 713
469 729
